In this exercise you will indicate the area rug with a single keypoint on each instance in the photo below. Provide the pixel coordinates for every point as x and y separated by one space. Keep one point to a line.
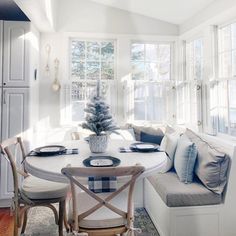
41 223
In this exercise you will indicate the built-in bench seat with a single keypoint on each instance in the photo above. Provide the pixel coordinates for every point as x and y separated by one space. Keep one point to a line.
178 194
196 209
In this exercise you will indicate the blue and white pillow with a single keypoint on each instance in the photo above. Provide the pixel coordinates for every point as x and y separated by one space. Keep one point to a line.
185 158
150 138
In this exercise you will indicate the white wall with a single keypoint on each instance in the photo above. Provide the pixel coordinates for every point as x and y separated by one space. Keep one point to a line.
88 20
86 16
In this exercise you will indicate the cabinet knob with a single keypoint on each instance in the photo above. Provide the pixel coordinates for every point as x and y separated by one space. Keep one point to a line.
4 83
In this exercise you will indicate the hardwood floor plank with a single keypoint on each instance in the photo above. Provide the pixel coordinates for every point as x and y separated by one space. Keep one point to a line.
6 222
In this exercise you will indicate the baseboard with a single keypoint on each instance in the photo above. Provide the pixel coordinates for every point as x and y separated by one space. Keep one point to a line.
5 203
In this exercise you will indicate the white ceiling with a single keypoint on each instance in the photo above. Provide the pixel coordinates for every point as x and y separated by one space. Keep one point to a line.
173 11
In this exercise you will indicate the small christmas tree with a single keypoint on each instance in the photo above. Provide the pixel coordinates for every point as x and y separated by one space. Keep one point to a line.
98 118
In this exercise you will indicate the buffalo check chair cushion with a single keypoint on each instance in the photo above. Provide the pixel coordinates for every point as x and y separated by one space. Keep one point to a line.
102 184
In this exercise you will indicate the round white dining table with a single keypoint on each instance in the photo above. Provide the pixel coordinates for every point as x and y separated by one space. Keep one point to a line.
49 167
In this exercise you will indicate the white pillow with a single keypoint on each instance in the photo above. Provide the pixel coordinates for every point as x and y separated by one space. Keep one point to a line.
169 146
163 143
124 134
168 130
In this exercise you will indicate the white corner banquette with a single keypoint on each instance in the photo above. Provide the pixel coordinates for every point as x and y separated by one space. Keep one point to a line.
201 220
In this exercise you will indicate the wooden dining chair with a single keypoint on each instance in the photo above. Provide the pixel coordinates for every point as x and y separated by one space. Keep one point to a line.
102 214
33 191
75 136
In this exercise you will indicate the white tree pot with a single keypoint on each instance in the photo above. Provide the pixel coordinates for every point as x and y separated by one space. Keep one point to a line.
98 143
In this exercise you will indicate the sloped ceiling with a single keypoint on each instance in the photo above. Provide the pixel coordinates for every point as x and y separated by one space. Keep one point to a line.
41 12
87 16
10 11
173 11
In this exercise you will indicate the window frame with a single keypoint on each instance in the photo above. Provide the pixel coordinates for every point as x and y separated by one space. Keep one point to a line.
223 79
187 84
66 112
170 82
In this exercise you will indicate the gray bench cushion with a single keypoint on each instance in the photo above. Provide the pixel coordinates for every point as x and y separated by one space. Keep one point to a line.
176 194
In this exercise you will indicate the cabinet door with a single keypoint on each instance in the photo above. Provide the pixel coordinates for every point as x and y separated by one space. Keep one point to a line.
1 50
14 123
16 37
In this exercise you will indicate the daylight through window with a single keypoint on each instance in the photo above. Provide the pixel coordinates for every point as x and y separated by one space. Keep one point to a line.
90 61
151 77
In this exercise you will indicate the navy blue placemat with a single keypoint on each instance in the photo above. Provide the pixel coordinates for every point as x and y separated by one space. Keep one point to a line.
68 151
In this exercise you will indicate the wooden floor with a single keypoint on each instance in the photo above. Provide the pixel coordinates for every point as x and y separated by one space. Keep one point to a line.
6 222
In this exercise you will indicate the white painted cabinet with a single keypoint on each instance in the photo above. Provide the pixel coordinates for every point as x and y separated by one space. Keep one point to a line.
16 41
1 51
15 113
18 90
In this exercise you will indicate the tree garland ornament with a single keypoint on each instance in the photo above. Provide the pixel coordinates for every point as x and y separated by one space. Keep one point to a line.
98 118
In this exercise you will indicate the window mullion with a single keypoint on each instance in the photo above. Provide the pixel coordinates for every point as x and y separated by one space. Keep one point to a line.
228 109
100 59
145 79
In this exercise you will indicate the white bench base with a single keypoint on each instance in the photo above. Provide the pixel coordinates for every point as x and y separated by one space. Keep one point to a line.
181 221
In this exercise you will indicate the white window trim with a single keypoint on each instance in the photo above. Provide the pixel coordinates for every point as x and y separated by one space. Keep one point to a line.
186 81
222 79
129 107
65 95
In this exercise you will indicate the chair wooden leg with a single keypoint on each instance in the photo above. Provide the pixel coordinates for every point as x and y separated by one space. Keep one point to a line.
61 217
65 220
54 210
16 219
24 222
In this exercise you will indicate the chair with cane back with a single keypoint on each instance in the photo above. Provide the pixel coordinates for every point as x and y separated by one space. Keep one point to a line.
33 191
102 214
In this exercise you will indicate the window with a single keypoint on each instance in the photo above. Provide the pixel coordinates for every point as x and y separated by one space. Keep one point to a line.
150 81
194 60
90 61
189 89
223 88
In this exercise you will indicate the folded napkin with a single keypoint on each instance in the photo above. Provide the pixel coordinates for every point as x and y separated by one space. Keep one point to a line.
128 149
71 151
102 184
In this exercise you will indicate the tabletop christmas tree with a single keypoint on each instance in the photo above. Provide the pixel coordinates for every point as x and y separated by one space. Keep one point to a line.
98 120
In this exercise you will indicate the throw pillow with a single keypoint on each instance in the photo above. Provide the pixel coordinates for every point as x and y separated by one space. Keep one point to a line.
149 138
146 129
170 148
185 157
168 130
211 165
123 134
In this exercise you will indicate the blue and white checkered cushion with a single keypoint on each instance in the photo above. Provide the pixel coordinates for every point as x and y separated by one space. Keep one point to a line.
102 184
